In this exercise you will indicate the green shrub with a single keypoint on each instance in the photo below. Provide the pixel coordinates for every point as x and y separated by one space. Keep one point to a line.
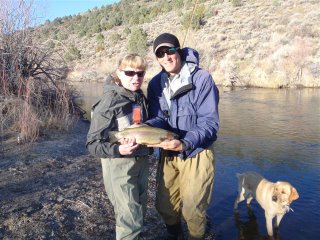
100 42
51 44
236 3
96 28
114 21
83 33
100 37
138 41
62 36
115 37
197 19
72 54
127 31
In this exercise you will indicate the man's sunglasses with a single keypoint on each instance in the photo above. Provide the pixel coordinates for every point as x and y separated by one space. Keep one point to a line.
132 73
169 51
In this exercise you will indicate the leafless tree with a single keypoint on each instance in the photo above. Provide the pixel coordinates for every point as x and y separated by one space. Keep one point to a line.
33 91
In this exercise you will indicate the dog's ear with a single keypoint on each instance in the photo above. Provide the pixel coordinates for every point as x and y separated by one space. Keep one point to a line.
293 195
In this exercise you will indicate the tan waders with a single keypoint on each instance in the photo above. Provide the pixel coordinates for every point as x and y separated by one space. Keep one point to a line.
187 184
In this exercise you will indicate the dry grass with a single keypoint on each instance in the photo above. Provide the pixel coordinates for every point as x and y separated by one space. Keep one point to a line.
33 114
33 96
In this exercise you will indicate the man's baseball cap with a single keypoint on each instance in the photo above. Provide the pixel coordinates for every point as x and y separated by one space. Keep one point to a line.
165 39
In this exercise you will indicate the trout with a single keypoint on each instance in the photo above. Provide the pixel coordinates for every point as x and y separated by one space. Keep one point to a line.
144 134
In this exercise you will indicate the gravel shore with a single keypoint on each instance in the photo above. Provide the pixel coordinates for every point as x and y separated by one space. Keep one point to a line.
55 191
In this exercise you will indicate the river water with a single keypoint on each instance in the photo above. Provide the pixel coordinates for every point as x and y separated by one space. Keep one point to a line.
275 132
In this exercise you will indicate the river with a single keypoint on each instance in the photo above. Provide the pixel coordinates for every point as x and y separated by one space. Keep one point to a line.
275 132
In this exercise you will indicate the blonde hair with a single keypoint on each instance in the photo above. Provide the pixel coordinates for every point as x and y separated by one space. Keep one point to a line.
130 60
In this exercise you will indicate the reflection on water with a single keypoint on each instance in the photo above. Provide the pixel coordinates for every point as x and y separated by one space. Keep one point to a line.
91 93
247 229
275 132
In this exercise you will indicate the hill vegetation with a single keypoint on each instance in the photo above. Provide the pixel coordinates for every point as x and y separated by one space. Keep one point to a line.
241 42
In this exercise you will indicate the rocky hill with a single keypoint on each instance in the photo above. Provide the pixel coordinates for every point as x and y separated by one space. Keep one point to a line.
241 42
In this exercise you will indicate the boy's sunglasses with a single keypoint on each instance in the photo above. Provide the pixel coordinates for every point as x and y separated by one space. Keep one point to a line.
169 51
130 73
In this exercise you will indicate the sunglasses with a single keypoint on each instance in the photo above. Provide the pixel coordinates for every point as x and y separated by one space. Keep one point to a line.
169 51
130 73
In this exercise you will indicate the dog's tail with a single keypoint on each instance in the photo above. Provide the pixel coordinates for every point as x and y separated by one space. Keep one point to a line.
239 175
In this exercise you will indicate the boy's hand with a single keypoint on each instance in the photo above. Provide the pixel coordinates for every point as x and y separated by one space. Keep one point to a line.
173 145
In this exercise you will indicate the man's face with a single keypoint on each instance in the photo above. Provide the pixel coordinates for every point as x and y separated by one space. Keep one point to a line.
169 59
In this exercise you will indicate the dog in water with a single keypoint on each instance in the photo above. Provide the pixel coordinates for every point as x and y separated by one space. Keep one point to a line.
274 198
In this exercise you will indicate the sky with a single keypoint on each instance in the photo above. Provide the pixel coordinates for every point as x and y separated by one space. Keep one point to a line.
51 9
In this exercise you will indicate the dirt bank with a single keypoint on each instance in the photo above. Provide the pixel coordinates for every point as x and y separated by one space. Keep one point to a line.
55 191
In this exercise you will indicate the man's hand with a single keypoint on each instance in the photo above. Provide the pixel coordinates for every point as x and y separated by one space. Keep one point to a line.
128 146
173 145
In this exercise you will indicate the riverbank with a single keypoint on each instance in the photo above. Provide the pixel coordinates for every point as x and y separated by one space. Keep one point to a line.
256 135
55 191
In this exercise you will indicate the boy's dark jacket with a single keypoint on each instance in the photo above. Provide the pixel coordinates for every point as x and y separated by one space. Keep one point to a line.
113 112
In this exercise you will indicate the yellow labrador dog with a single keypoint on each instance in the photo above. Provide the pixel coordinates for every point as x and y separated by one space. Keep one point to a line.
274 198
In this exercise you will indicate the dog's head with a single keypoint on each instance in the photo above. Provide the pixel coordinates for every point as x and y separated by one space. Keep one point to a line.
284 193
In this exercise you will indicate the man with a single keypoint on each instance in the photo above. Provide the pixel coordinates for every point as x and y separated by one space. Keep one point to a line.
183 98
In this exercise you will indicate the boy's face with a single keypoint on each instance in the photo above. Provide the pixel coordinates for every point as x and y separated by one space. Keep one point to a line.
131 78
170 60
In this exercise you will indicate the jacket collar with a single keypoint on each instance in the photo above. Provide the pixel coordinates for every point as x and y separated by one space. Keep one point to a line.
133 96
182 82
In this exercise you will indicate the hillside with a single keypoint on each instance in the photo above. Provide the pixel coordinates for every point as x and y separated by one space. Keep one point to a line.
244 43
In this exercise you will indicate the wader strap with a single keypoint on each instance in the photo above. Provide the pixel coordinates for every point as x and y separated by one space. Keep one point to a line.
136 113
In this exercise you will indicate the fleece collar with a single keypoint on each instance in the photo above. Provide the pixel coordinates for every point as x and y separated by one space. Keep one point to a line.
180 83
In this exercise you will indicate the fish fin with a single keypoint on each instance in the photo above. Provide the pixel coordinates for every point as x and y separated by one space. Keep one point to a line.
163 140
176 136
112 137
135 125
